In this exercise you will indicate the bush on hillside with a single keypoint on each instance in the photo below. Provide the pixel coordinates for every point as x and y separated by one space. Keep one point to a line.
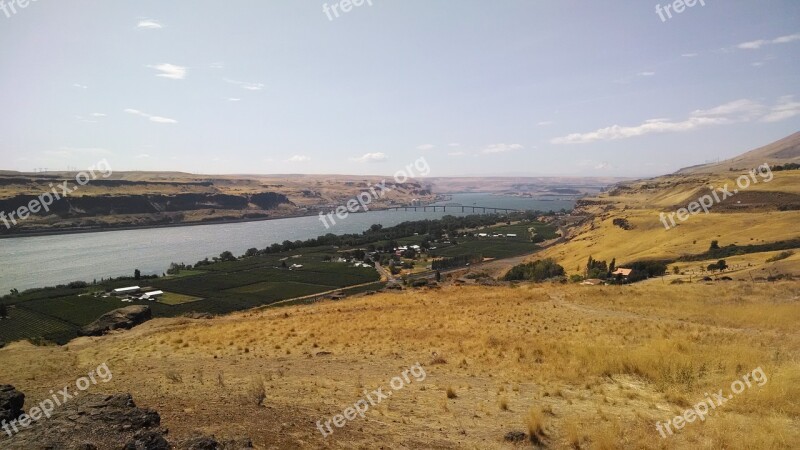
535 271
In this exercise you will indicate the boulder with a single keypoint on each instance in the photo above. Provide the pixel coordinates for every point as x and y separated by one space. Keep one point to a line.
11 402
123 318
91 421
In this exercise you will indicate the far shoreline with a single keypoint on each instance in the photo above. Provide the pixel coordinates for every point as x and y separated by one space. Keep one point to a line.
108 229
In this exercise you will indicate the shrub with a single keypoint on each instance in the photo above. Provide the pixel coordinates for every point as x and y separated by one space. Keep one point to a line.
535 271
780 256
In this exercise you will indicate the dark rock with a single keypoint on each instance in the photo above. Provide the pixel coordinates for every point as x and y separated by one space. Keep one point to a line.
11 402
515 436
90 422
123 318
148 440
200 443
211 443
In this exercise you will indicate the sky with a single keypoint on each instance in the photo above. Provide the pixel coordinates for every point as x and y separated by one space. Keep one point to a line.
476 87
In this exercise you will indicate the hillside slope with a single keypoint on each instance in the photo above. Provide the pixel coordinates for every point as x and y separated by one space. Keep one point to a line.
579 367
639 220
786 150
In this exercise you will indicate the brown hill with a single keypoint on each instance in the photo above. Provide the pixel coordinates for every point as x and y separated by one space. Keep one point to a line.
786 150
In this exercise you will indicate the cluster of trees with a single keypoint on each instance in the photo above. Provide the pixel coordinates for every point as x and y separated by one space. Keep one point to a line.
640 270
788 166
433 229
716 251
719 265
535 271
643 270
599 269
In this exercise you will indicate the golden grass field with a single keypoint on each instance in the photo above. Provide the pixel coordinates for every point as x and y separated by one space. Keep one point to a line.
583 367
648 239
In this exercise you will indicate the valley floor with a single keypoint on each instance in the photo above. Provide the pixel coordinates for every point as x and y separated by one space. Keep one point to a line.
580 367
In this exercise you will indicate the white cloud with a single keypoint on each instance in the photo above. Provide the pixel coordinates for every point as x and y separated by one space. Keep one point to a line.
149 24
143 156
502 148
170 71
743 109
603 166
787 39
646 74
426 147
738 111
80 86
371 157
753 45
689 55
98 115
234 99
156 119
246 85
299 159
786 108
456 154
454 144
757 44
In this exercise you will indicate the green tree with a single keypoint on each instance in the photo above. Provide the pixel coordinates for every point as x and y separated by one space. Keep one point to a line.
227 256
535 271
137 274
714 245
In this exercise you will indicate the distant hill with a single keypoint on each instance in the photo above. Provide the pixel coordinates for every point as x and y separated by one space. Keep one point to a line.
786 150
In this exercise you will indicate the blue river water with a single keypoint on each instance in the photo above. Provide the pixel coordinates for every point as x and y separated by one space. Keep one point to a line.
39 261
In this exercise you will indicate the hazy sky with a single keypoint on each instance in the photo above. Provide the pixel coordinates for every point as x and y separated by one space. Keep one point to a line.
477 87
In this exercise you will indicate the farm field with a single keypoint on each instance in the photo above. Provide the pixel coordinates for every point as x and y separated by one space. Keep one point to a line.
56 314
498 247
220 287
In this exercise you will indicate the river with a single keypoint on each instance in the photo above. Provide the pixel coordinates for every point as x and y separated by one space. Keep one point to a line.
30 262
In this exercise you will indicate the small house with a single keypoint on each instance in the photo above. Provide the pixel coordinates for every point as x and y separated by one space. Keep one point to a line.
127 290
152 295
623 272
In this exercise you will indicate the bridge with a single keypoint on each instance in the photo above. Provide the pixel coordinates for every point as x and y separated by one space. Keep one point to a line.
455 207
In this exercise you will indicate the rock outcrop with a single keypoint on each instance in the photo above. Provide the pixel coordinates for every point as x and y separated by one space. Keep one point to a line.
97 422
11 401
123 318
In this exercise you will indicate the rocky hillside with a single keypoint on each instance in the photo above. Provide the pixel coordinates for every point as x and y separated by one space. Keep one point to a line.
133 199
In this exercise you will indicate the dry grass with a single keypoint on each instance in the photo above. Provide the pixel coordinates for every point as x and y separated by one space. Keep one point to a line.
598 366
